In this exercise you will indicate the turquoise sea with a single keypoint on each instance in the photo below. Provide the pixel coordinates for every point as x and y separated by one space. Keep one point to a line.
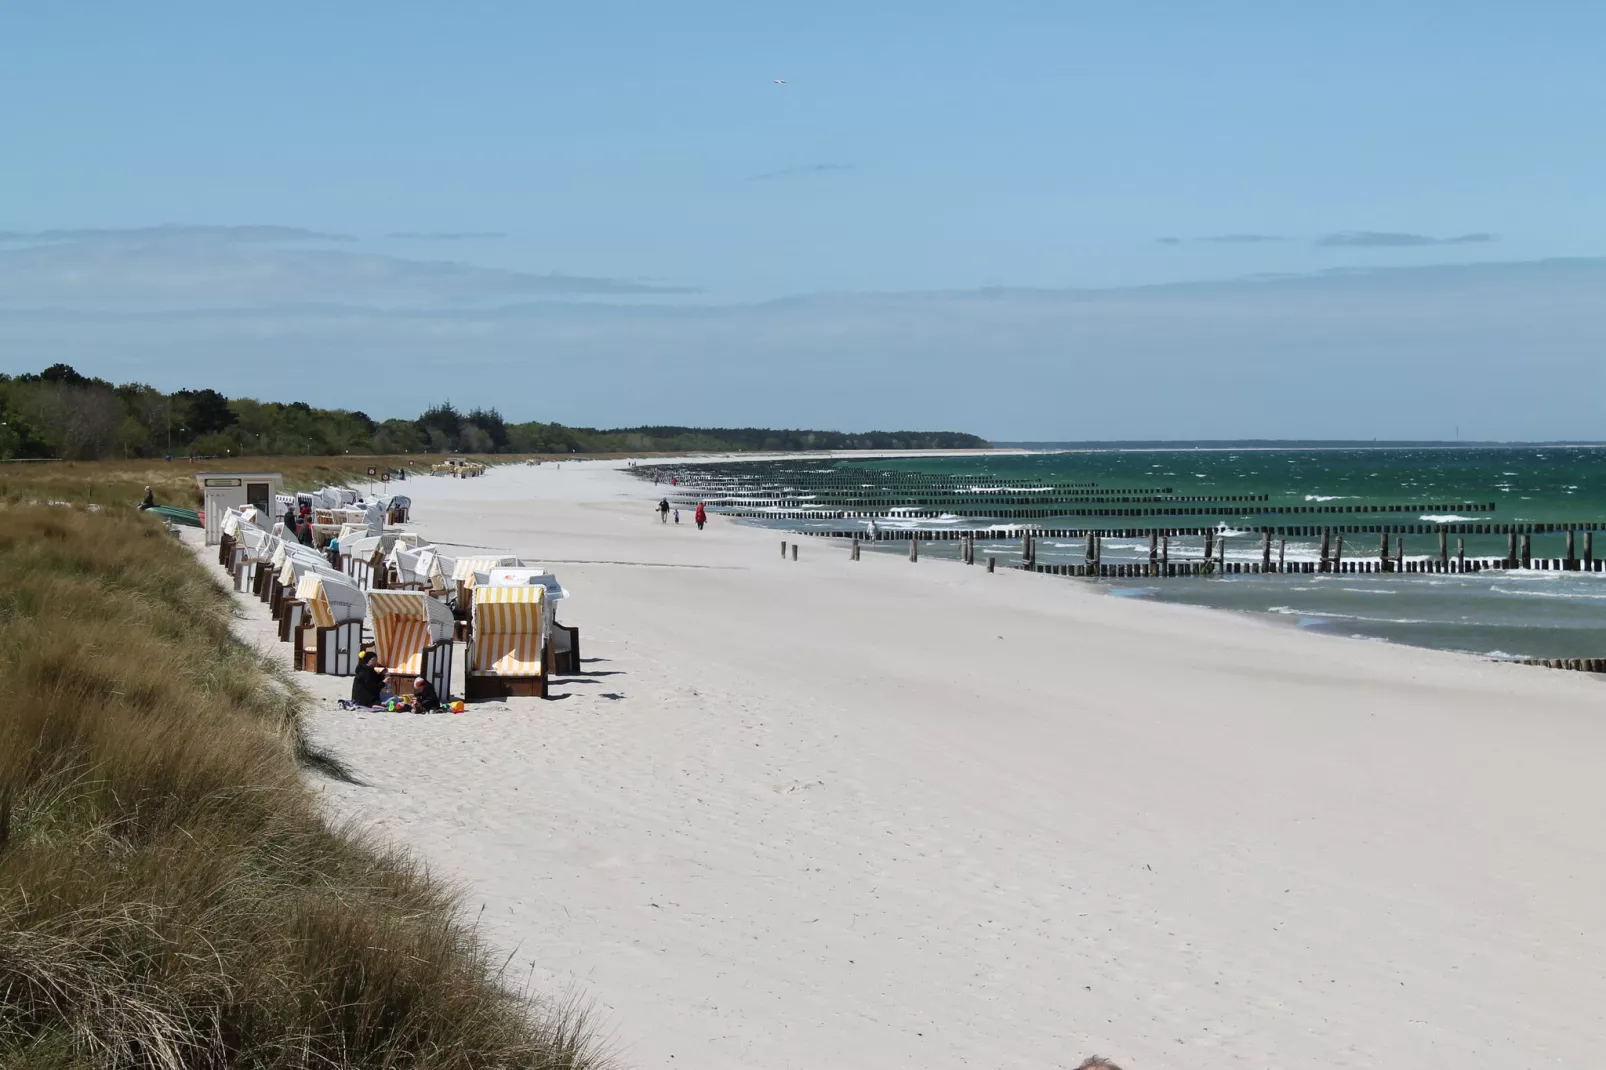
1506 613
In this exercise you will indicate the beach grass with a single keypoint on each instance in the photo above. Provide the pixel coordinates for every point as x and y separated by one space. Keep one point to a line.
170 896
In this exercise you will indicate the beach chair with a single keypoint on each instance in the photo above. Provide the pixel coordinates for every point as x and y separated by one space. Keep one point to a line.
507 653
564 642
413 636
462 583
330 635
400 508
252 550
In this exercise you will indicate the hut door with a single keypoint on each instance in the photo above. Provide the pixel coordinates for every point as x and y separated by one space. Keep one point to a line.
260 495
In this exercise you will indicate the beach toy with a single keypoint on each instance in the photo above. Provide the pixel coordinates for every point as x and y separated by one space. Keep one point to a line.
457 707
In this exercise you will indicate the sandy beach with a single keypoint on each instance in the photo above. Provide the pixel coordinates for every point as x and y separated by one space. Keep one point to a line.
880 814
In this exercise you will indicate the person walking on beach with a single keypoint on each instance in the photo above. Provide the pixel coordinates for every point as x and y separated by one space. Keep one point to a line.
663 510
701 517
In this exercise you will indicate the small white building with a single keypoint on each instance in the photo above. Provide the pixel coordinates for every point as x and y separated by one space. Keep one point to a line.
222 491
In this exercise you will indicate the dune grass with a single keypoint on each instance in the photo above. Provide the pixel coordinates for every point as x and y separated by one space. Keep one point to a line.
124 482
170 896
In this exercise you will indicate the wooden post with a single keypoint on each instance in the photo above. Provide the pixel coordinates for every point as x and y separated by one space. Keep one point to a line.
1444 547
914 547
1511 549
1265 551
1154 550
1399 554
853 554
1383 552
992 564
1589 551
1572 558
1338 553
1282 555
1165 552
1460 554
794 551
1221 555
1327 535
1088 555
783 549
1527 551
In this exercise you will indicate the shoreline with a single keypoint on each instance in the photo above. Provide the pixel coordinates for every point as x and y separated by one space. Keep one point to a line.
864 814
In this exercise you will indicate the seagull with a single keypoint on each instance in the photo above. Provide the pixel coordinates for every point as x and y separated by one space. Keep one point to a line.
779 81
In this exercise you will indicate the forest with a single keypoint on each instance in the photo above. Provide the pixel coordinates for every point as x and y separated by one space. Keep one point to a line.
59 413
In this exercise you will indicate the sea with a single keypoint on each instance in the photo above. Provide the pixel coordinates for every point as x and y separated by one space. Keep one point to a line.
1501 614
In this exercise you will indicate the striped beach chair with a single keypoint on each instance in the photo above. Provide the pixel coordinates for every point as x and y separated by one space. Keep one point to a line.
563 642
508 652
413 636
330 636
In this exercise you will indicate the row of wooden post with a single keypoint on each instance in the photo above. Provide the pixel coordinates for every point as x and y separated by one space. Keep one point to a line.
1331 557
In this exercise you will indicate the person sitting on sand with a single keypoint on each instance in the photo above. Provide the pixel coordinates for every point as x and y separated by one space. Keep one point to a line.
149 502
425 699
368 685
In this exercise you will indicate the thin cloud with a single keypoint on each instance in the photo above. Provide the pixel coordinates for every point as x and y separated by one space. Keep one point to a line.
806 169
445 235
222 270
168 232
1382 239
1224 239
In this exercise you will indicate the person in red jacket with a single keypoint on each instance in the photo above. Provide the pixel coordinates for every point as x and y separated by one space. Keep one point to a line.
702 516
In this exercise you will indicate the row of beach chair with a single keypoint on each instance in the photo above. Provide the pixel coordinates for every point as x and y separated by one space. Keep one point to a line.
389 591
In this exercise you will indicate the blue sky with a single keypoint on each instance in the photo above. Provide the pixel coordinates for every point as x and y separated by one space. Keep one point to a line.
433 157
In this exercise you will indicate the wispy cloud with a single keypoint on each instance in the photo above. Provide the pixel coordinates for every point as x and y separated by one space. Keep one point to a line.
806 169
172 232
210 267
445 235
1224 239
1383 239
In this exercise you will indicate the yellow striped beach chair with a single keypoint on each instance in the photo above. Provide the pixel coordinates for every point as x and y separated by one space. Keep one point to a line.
507 654
413 636
330 635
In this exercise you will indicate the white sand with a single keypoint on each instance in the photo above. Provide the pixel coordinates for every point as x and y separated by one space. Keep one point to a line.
876 814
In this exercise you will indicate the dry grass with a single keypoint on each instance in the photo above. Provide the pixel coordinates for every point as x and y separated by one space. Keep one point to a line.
169 895
124 482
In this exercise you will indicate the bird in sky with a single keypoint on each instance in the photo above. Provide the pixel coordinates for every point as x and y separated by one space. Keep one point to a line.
779 81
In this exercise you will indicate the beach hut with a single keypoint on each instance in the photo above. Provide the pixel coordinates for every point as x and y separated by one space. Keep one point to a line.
330 635
413 637
222 491
507 654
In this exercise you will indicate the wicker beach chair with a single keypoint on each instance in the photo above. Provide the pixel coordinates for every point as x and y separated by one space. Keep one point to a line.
413 636
330 635
508 652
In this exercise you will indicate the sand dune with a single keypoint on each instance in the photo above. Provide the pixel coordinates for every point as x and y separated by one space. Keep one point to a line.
882 814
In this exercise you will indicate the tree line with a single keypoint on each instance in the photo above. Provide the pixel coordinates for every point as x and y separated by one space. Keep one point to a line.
59 413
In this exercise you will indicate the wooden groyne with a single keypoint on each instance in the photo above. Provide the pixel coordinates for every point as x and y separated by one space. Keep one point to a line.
1309 531
1047 513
